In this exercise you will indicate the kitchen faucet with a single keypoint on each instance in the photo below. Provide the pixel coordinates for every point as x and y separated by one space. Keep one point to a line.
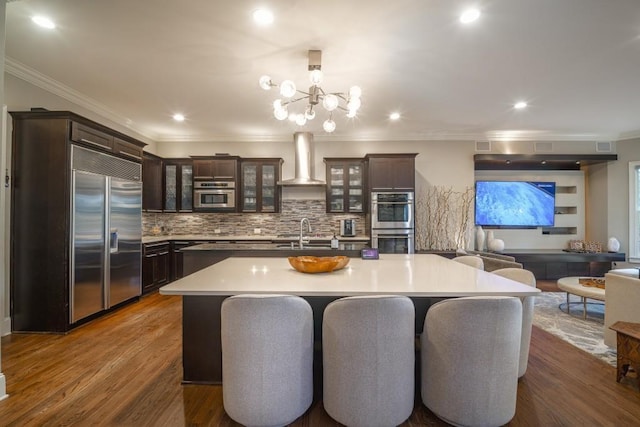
304 239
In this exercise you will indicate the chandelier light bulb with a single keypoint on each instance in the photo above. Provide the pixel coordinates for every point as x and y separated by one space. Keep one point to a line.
280 113
265 82
354 104
330 102
355 92
301 120
329 125
315 77
293 117
310 114
287 89
351 113
277 104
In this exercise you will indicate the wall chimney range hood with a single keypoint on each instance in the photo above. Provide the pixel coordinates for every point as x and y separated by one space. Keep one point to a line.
304 163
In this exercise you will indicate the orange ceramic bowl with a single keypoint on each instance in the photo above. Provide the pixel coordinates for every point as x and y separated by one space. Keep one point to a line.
313 264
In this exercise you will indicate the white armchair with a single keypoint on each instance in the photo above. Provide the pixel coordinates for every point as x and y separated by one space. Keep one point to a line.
622 300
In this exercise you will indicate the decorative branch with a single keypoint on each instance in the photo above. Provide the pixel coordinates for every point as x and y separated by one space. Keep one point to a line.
443 218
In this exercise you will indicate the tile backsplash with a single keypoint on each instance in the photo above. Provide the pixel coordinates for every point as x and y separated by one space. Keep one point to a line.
242 224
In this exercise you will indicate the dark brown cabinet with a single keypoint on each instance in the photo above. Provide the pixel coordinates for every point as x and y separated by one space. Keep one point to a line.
346 187
391 171
259 191
156 266
151 183
178 185
96 136
42 266
219 168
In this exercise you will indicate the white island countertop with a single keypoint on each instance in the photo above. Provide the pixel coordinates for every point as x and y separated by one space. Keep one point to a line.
419 275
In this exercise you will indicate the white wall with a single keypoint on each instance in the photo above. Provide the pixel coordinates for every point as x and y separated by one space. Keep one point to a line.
3 283
618 191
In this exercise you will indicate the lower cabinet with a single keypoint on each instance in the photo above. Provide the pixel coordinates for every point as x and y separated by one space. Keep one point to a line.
156 266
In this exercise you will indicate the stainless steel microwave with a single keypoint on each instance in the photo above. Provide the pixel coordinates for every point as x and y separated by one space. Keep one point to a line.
214 194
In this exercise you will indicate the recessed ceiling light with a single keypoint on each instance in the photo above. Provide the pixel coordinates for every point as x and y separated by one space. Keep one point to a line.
469 16
263 17
44 22
178 117
394 116
520 105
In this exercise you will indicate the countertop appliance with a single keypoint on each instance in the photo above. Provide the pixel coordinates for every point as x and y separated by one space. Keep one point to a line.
347 227
214 194
106 232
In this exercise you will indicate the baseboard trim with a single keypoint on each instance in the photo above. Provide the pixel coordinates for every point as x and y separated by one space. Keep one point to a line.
5 327
3 387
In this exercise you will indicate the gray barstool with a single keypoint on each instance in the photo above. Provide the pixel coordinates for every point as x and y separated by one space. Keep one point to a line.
471 260
526 277
267 358
469 355
368 348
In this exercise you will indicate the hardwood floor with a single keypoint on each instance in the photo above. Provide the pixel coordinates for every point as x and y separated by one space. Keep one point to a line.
125 370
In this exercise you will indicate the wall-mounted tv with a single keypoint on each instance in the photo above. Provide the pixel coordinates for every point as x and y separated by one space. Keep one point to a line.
515 203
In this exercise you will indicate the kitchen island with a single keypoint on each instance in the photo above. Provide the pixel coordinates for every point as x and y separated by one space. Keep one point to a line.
425 278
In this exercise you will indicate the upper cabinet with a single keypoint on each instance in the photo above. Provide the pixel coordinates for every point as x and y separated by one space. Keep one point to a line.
345 185
391 171
218 168
178 185
97 137
259 191
151 183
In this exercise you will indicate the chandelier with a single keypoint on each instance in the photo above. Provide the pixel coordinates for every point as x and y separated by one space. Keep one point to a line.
330 100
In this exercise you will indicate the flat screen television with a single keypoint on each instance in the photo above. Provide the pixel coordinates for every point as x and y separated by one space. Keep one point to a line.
515 203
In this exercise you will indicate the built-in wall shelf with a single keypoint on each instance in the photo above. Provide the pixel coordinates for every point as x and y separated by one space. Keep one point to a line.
566 189
560 230
566 210
539 162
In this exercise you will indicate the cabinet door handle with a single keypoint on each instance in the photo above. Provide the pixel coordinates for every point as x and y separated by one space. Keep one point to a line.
150 255
222 177
162 253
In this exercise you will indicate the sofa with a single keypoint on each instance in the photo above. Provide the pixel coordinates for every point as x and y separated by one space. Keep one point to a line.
622 300
493 261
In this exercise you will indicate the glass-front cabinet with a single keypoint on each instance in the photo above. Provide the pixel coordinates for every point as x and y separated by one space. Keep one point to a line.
345 185
178 185
259 191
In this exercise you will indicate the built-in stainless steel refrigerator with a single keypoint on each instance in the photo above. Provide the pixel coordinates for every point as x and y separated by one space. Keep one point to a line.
106 232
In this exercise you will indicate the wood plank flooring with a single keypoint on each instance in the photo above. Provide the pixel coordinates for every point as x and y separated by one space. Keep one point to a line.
125 370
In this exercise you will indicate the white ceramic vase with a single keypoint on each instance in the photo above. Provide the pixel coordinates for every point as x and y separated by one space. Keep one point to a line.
479 238
493 244
613 245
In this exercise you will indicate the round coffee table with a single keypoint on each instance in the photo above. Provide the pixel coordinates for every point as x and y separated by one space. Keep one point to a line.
571 286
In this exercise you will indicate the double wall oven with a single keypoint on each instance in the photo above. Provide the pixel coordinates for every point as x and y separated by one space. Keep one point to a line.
214 194
392 221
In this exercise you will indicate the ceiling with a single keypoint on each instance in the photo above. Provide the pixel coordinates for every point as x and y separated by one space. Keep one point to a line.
575 62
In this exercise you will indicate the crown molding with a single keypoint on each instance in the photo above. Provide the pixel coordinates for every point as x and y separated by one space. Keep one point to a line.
629 135
50 85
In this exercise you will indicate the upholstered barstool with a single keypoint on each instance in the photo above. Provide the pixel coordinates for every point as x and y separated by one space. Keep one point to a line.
469 356
471 260
526 277
368 347
267 358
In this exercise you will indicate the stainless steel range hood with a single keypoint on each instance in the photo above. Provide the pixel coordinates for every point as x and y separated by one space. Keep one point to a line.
304 163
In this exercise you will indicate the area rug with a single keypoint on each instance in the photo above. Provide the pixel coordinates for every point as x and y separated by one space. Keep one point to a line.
587 334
